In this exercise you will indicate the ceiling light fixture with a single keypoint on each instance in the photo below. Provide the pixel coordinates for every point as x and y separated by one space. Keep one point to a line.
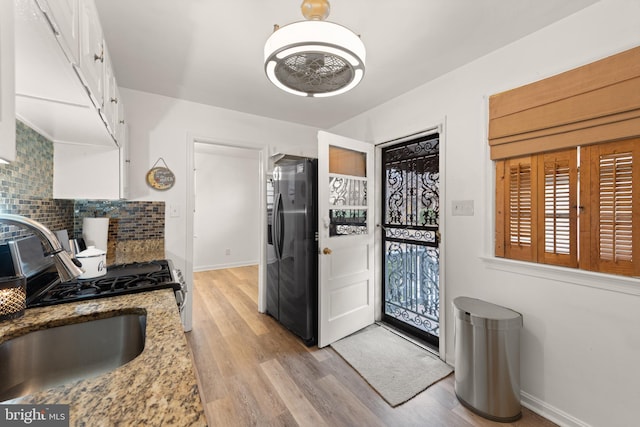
314 58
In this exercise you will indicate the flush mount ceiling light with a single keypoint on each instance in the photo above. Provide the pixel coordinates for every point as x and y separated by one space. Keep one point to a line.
314 58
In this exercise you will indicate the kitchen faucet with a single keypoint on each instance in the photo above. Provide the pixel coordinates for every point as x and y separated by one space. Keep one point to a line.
68 268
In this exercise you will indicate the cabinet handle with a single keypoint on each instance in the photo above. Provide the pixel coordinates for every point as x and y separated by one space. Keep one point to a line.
121 122
99 58
114 100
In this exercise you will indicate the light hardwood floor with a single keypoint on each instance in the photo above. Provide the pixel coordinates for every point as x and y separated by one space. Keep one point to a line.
253 372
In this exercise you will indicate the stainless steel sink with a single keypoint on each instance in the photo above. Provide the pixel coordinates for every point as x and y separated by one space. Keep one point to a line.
49 357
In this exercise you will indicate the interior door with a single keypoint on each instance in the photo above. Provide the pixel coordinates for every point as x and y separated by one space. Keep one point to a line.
345 236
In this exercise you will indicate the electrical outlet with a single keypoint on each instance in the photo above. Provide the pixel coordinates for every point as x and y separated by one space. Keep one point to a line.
462 208
227 251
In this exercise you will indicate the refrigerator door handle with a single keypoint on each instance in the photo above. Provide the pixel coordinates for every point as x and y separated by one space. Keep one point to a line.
280 225
275 229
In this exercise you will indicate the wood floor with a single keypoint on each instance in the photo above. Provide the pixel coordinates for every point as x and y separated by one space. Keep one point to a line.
253 372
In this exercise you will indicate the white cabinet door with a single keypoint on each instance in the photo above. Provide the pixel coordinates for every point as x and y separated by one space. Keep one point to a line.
62 16
121 128
124 160
345 236
109 110
122 138
91 69
7 84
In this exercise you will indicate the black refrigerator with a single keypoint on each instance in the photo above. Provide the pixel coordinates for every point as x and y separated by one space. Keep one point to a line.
292 247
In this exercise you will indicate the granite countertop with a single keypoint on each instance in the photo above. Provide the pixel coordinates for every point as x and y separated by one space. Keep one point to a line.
157 388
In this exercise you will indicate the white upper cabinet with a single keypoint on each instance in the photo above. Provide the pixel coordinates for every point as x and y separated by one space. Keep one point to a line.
91 67
62 17
64 81
65 89
7 90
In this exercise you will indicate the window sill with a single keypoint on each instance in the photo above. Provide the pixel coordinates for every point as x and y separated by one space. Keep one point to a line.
605 282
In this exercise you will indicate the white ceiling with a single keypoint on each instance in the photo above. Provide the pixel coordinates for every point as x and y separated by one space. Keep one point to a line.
211 51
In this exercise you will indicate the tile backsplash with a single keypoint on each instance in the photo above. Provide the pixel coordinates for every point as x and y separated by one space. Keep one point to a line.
136 229
27 186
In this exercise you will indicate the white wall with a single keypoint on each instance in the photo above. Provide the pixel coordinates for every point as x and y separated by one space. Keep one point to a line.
227 210
163 127
580 344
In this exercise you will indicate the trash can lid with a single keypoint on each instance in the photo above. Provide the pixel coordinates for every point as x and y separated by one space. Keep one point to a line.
483 313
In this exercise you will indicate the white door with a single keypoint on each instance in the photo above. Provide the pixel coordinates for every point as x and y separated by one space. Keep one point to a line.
345 236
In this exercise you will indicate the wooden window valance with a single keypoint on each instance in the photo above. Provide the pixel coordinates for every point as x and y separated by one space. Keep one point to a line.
594 103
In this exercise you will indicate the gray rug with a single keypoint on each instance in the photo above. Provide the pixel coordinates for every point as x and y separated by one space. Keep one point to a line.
396 368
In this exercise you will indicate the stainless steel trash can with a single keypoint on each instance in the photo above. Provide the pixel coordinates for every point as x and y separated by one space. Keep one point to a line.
487 352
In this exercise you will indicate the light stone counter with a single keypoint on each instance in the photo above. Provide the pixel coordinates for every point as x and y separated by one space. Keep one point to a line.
157 388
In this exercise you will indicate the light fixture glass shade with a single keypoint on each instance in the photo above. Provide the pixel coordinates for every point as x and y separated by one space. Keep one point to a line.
314 58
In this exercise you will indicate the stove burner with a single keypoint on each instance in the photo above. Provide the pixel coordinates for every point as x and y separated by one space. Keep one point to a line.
119 279
65 290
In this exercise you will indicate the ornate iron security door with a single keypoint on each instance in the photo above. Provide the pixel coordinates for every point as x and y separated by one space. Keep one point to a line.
411 212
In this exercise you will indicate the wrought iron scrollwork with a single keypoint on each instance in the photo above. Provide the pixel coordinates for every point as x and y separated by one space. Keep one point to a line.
347 192
344 222
426 236
411 220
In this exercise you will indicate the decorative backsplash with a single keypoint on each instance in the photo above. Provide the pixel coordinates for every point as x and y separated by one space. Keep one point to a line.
136 229
27 186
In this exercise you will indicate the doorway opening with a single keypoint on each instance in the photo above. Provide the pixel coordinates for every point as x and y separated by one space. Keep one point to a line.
410 236
227 214
237 256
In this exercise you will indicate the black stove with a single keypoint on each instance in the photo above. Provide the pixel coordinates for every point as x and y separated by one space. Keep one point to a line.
45 288
25 257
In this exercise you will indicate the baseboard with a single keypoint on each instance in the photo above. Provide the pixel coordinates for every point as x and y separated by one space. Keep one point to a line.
550 412
223 266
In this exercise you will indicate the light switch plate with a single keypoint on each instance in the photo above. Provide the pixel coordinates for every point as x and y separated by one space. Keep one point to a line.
462 208
174 211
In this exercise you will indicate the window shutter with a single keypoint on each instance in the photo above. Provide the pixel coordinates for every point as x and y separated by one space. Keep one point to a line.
557 202
614 207
520 213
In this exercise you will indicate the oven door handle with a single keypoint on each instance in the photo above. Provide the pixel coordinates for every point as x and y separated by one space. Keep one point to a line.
181 299
181 294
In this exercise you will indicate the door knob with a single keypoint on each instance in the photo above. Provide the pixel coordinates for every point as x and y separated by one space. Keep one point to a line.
326 251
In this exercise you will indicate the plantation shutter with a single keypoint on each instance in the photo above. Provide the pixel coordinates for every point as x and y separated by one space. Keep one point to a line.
520 215
557 202
614 207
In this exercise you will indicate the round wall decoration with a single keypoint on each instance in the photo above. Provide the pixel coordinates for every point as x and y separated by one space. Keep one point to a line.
160 177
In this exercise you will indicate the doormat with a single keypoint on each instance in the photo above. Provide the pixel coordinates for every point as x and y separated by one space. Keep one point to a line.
395 367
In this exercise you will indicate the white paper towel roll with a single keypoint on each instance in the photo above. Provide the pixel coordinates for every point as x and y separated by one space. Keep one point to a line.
95 232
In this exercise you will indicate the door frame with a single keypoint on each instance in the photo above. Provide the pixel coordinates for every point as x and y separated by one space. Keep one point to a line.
190 207
379 279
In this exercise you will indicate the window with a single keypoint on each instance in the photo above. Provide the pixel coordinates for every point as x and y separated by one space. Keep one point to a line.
567 152
546 205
